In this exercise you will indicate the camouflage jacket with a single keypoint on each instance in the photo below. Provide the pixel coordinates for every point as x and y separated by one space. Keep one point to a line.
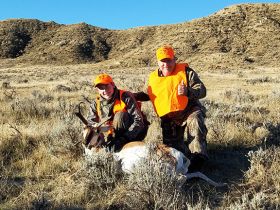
106 110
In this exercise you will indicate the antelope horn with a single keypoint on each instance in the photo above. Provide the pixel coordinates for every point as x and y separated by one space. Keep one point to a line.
78 113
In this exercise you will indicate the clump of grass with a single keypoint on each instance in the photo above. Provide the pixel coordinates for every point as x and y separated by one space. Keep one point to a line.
70 191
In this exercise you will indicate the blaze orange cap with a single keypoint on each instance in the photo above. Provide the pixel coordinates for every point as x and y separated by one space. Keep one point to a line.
165 51
102 79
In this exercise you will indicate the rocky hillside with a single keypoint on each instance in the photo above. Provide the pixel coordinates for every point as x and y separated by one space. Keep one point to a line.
247 34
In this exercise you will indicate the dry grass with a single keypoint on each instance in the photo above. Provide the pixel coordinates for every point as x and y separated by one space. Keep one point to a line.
42 164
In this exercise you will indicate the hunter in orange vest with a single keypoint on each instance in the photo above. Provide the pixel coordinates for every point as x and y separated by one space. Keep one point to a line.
163 91
174 90
127 122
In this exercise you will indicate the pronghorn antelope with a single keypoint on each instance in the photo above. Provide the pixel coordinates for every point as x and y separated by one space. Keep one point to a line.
134 152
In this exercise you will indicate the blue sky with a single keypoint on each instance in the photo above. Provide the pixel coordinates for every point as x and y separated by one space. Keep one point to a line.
111 14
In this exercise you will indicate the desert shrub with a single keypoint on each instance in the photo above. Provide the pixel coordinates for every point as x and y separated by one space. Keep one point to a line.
234 123
154 186
217 121
239 96
220 110
255 201
62 88
275 95
103 171
102 175
217 129
264 169
29 108
6 85
8 95
42 96
15 148
65 136
80 85
262 181
63 109
154 132
260 80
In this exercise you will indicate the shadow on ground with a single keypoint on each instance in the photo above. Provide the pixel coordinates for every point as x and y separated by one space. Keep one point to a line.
227 165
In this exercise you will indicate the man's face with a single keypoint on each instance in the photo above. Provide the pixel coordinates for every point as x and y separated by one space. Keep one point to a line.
106 90
166 66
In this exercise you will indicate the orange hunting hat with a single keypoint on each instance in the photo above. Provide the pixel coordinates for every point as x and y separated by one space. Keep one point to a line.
102 79
165 51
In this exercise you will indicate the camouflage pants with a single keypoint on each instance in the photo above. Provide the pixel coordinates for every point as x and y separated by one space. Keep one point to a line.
192 126
122 122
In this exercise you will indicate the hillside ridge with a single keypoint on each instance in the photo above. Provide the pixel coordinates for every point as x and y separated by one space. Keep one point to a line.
246 34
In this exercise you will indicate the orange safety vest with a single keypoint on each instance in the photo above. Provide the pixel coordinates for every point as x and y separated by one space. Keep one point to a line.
119 105
163 91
